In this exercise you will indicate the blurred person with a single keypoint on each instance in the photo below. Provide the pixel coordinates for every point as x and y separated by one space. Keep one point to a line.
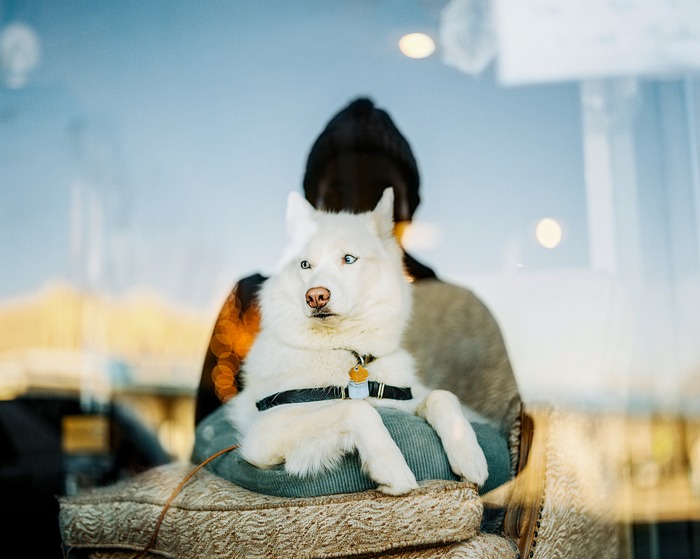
455 339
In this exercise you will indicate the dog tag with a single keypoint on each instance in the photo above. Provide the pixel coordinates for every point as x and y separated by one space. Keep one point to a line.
358 387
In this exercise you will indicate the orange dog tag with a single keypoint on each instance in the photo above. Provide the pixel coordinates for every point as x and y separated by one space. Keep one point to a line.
358 388
358 373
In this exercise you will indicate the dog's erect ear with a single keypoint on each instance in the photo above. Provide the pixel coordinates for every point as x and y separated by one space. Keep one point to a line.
300 226
384 213
299 215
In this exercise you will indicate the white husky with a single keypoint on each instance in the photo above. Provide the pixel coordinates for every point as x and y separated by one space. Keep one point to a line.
334 314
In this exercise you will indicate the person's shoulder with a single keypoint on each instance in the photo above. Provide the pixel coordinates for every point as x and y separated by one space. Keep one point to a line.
417 270
441 289
245 291
431 290
251 282
455 304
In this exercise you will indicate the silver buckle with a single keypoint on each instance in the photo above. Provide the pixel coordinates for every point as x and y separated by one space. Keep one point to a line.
380 391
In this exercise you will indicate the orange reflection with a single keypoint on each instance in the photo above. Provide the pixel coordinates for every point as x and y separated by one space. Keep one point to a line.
234 333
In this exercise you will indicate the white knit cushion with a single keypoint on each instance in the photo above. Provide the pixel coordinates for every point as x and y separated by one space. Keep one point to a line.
214 518
481 546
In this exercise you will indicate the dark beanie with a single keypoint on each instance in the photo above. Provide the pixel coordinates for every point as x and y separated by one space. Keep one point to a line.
361 127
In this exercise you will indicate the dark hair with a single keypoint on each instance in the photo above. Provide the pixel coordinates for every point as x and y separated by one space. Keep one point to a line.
361 127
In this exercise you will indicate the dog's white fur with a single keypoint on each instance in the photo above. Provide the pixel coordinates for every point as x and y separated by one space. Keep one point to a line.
370 302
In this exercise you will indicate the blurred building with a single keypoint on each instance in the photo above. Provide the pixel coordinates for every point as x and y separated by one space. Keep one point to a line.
136 350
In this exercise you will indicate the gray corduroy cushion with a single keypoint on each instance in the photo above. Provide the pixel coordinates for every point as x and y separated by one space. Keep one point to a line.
418 442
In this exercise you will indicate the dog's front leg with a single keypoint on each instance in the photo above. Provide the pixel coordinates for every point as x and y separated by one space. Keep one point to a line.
380 457
443 411
314 438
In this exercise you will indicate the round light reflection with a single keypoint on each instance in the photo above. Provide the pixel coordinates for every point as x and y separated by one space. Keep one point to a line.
548 232
417 45
421 235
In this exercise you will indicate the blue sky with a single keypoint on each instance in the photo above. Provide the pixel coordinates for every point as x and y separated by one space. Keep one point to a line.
189 122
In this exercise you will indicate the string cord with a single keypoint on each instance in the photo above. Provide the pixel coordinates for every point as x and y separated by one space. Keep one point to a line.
174 494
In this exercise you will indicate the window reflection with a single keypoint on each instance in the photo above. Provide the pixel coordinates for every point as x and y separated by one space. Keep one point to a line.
145 160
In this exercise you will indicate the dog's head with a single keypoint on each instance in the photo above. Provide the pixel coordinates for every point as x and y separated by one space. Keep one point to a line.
342 281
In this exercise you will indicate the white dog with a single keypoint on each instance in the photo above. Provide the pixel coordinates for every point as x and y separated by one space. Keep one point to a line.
333 315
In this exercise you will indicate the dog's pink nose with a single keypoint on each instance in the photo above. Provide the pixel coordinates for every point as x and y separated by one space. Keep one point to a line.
317 297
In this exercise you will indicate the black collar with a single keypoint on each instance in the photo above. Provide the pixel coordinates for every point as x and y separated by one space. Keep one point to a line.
376 390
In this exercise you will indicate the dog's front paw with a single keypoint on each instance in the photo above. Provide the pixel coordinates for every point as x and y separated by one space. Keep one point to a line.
473 467
390 471
444 413
401 483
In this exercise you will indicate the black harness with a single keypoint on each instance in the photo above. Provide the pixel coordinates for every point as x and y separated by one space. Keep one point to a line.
377 390
369 389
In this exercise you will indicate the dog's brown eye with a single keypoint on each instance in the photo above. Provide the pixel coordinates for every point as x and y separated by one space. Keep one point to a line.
305 265
349 259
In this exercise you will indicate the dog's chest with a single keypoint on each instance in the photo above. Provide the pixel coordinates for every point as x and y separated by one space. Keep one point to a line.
333 367
287 368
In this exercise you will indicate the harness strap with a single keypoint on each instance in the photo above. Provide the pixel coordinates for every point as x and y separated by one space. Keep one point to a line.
303 395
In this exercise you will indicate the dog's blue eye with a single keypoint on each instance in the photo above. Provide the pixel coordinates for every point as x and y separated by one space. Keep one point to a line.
305 264
349 259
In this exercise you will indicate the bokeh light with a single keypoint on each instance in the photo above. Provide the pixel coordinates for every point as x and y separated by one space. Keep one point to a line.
421 235
548 232
233 335
417 45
